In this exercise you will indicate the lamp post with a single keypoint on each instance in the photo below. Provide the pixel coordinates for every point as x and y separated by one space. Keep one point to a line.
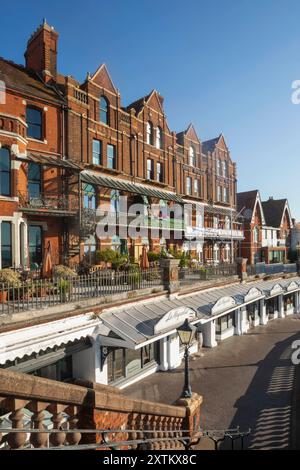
186 333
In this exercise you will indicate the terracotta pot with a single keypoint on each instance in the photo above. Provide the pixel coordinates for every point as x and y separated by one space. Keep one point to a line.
3 296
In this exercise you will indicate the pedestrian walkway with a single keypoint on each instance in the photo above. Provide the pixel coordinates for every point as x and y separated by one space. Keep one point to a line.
248 381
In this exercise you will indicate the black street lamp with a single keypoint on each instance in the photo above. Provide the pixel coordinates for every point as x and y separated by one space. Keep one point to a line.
186 333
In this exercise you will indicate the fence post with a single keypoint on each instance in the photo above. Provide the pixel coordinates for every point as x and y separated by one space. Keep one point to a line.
170 269
242 268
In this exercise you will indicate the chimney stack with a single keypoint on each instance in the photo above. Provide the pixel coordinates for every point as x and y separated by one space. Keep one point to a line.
41 52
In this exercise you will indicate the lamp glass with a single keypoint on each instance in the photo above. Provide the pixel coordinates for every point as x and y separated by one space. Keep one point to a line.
186 333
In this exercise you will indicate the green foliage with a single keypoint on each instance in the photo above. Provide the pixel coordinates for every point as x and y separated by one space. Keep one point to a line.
152 256
117 260
105 256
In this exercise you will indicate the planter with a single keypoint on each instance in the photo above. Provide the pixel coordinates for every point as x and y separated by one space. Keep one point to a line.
3 296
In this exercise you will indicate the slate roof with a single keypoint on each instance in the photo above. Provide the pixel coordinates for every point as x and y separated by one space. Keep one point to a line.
246 201
19 78
273 211
209 145
137 323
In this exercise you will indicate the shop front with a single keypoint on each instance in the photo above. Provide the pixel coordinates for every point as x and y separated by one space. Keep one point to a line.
253 314
124 364
225 326
141 340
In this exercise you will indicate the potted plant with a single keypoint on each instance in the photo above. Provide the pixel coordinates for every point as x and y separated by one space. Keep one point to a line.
65 288
8 279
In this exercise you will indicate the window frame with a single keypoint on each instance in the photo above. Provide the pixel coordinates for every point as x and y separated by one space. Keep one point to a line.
105 110
160 173
99 154
40 227
192 156
9 224
159 138
34 181
149 133
5 172
188 186
111 146
150 171
30 124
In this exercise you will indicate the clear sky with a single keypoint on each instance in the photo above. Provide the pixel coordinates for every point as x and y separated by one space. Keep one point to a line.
225 65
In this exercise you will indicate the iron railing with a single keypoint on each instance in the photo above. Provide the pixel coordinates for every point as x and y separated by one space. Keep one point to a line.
36 294
269 269
48 201
191 275
117 439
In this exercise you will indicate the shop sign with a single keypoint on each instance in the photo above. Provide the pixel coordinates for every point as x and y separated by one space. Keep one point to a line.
292 286
225 303
253 294
174 318
277 289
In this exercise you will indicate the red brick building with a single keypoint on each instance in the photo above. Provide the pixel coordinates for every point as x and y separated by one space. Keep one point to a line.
67 147
267 228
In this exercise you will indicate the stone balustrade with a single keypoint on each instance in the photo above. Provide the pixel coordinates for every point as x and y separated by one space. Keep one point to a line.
60 414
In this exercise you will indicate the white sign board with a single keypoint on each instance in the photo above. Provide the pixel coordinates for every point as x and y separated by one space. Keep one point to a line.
174 318
277 289
253 294
292 286
225 303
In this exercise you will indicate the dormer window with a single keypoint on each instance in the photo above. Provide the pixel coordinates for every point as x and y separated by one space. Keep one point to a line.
149 133
159 138
104 110
192 158
34 121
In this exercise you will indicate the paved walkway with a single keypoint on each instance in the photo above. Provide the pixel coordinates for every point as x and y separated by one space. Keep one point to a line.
248 381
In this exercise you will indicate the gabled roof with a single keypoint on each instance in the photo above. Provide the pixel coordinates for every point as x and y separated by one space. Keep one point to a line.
247 202
210 145
139 104
190 133
102 78
18 78
274 210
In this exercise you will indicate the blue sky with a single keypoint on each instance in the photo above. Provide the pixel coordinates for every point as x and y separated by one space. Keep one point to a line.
225 65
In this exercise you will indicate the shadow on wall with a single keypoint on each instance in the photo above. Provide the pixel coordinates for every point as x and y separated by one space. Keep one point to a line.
270 416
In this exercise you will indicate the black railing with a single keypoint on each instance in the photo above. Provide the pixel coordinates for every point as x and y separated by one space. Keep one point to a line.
48 200
116 439
205 273
269 269
34 294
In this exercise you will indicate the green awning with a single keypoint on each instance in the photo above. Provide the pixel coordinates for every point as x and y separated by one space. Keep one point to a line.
123 185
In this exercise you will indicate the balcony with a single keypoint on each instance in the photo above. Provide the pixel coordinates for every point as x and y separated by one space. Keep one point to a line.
49 203
218 233
274 243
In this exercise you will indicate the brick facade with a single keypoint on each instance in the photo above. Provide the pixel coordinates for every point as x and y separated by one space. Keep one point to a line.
145 151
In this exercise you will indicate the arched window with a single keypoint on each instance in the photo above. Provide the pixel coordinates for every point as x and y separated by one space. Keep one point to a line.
89 197
192 159
149 133
159 138
5 172
104 110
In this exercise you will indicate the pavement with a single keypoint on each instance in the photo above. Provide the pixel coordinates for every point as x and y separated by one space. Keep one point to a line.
247 381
